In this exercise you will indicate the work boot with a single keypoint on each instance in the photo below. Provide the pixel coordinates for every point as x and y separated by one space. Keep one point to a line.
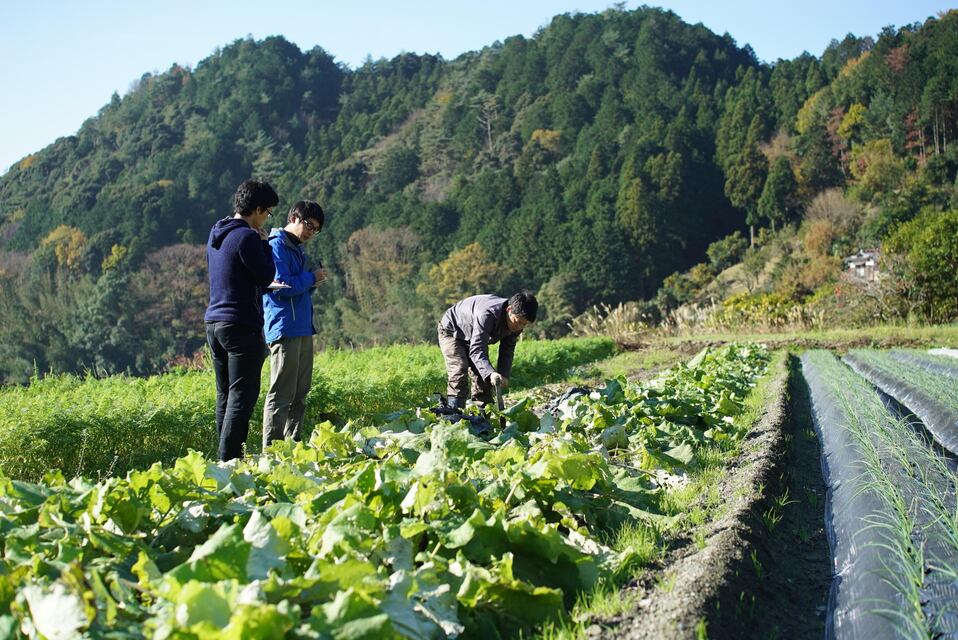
483 399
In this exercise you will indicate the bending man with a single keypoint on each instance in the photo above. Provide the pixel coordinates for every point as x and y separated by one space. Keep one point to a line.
465 332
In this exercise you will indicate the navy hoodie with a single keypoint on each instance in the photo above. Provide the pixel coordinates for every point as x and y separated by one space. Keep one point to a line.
240 264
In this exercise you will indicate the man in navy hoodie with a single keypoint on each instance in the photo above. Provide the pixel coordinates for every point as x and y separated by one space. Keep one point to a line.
289 323
241 267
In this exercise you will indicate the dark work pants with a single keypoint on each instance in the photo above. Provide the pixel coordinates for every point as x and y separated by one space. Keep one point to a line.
238 354
455 352
290 376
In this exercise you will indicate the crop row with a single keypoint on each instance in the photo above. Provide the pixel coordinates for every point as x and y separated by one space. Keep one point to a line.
98 427
930 395
890 512
932 362
413 529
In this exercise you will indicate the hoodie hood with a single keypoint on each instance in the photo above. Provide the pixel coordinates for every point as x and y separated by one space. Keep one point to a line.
223 227
288 238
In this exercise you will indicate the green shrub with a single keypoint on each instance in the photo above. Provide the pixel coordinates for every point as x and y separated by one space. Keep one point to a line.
924 254
728 251
767 311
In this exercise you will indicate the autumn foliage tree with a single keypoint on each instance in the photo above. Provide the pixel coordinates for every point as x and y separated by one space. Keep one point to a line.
172 292
465 272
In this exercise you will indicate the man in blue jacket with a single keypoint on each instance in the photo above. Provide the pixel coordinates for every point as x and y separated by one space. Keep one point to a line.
241 266
289 324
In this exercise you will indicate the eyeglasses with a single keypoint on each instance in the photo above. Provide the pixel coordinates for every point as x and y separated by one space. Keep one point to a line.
314 228
269 212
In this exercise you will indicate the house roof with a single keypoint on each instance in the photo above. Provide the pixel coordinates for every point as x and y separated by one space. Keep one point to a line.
861 257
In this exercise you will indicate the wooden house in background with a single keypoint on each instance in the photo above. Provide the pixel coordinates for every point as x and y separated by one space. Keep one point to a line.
863 265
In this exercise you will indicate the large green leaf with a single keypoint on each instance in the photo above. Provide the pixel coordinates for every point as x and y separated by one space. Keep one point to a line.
57 612
368 532
224 556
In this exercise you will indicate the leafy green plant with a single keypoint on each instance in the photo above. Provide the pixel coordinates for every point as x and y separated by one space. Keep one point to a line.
411 528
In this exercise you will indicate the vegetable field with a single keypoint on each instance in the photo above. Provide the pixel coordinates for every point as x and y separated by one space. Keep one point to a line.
406 527
90 427
679 506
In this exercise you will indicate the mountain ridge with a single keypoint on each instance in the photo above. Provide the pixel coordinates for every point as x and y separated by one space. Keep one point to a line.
588 162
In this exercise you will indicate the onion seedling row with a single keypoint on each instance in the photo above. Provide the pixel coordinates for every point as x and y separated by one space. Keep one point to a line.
930 362
940 388
909 386
890 513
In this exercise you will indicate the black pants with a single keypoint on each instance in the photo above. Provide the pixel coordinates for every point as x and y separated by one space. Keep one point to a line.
238 354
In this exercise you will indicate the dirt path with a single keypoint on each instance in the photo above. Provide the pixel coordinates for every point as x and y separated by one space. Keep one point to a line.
790 597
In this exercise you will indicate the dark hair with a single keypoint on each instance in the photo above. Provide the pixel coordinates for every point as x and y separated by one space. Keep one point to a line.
524 305
306 209
253 195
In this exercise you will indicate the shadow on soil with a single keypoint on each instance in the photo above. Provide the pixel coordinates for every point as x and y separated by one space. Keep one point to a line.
780 588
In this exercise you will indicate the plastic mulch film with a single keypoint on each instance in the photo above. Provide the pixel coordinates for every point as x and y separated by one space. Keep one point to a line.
926 363
952 353
861 586
930 493
919 485
940 421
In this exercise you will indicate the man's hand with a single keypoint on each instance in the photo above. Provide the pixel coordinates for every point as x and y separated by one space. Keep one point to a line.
320 274
263 235
497 379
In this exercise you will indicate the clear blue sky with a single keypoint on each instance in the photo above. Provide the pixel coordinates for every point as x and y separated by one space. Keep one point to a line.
62 60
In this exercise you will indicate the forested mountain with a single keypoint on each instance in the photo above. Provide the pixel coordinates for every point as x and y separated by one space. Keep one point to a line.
588 162
867 160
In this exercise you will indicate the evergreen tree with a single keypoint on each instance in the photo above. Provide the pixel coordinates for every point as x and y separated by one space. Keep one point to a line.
614 147
746 179
778 199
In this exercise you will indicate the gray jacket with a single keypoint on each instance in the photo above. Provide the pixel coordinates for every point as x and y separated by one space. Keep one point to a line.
481 321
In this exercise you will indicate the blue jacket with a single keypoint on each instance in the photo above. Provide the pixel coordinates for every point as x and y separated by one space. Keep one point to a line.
289 312
240 265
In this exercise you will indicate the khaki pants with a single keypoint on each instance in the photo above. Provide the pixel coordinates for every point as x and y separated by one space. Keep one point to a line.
458 365
290 376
